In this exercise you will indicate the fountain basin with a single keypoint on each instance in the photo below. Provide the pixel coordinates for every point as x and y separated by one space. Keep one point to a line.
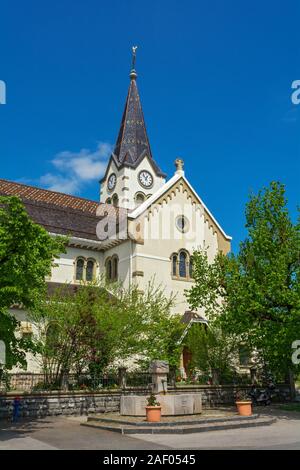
171 404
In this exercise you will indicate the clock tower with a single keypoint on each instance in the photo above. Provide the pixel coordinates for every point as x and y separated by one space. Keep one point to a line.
132 174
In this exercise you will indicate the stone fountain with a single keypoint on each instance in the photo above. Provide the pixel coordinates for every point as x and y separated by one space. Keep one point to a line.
172 404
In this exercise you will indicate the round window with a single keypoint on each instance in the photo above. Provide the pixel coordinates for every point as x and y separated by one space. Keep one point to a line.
182 223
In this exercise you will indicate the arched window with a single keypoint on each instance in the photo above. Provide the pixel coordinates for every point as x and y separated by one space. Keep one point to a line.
115 200
108 200
85 270
90 270
108 265
79 269
112 268
182 264
139 198
115 263
174 265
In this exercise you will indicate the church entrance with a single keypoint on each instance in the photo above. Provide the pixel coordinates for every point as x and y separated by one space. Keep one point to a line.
187 357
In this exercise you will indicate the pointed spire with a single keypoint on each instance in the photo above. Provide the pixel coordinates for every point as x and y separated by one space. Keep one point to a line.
132 140
132 143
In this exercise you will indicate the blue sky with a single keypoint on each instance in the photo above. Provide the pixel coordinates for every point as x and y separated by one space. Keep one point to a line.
214 77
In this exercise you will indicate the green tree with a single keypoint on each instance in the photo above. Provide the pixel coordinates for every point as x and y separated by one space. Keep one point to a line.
213 351
88 329
26 256
257 291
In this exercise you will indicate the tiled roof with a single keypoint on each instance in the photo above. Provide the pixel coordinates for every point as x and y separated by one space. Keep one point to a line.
38 194
53 287
71 289
57 212
63 220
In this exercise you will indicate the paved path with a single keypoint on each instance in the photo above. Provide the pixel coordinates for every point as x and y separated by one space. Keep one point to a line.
284 434
66 433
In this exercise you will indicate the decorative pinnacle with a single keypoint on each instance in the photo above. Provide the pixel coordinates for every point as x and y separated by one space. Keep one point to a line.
179 164
133 73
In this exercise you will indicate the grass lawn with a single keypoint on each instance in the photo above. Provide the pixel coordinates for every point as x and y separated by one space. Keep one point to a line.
291 407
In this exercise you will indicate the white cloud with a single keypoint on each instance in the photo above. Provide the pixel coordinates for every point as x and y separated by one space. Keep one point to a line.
76 168
59 183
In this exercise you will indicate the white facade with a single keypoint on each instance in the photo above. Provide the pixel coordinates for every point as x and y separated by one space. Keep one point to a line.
166 221
153 239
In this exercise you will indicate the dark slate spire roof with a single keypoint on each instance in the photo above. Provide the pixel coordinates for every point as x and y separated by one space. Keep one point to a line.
132 143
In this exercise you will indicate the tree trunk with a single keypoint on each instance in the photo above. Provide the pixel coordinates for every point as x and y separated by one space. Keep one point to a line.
172 376
215 376
122 377
64 382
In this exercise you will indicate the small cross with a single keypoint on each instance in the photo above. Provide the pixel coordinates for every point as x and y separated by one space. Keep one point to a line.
134 48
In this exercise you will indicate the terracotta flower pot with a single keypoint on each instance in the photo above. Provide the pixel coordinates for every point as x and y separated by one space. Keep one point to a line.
244 407
153 414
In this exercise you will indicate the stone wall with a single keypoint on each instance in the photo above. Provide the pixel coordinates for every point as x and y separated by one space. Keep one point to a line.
214 396
37 406
78 403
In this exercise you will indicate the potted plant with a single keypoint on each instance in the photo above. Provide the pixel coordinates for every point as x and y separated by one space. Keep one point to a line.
153 409
243 403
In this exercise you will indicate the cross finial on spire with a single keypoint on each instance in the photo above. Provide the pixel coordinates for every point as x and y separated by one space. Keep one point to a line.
133 73
134 48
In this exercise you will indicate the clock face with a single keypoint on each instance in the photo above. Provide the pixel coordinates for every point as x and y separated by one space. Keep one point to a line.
145 179
112 181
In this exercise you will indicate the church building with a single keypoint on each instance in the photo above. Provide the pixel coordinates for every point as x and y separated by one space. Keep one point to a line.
144 226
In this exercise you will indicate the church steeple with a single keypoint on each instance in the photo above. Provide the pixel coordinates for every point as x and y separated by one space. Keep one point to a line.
132 174
132 142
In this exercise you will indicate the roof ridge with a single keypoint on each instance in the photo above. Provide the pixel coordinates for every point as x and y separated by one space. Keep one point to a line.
48 190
